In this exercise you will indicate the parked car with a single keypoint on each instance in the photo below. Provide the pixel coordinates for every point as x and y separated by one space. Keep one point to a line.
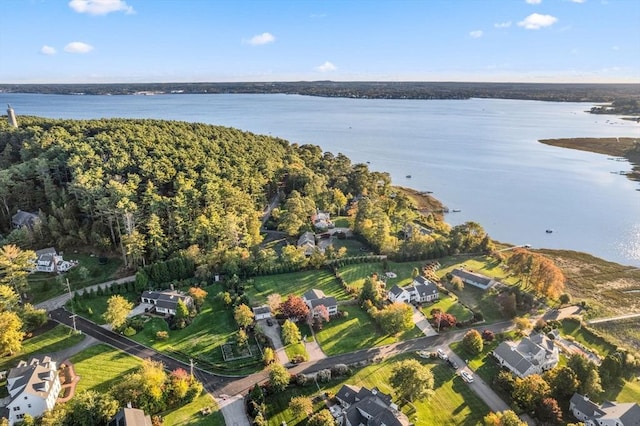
466 376
452 363
269 322
442 355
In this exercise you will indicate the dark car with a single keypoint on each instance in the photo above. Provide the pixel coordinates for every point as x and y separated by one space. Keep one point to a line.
269 322
452 363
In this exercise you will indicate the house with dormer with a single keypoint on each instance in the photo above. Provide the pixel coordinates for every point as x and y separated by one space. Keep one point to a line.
362 406
33 388
531 355
421 290
607 414
166 302
307 241
314 298
25 219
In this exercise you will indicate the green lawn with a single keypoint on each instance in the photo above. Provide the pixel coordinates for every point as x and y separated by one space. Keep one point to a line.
44 285
58 338
297 349
452 403
294 283
93 307
449 305
355 274
101 366
482 364
628 391
203 338
355 332
571 327
190 414
484 265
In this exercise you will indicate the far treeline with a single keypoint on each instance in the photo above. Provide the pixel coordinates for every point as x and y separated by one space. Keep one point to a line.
561 92
150 190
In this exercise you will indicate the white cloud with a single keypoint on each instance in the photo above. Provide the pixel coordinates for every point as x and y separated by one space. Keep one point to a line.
260 39
578 1
535 21
326 67
100 7
78 47
48 50
615 47
534 1
476 33
506 24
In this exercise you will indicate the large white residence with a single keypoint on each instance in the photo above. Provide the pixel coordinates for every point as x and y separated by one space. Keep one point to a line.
531 355
33 388
166 302
419 291
48 260
314 298
607 414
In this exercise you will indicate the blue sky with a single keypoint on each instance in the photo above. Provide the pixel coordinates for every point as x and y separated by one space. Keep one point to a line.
93 41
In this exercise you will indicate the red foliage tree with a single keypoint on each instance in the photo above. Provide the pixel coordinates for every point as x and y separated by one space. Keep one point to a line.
294 308
444 320
488 336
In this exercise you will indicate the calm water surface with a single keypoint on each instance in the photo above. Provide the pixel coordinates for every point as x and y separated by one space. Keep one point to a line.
479 155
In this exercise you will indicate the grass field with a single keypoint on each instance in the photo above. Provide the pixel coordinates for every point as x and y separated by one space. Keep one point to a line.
203 338
449 305
355 274
44 285
623 332
297 349
452 403
355 332
628 391
94 307
190 413
295 283
55 339
480 264
101 366
571 327
483 365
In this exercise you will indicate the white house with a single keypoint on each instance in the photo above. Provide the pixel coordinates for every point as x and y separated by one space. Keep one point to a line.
607 414
361 406
130 417
48 260
314 298
474 279
321 220
531 355
166 302
33 388
308 242
419 291
261 312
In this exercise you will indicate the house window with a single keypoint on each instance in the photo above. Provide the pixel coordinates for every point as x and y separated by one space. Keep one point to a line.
17 408
20 416
28 405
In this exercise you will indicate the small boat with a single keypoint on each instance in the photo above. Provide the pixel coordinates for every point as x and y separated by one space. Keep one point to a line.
456 210
549 231
408 176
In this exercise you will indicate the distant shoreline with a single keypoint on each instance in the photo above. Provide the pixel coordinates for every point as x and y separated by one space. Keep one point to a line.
627 148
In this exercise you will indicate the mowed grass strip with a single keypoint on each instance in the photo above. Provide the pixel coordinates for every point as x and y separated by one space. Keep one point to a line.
449 305
356 331
356 274
55 339
295 283
190 414
101 366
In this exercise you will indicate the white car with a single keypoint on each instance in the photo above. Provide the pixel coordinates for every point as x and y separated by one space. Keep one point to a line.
467 377
442 355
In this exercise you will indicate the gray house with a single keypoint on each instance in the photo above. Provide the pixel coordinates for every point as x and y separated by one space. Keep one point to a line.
474 279
607 414
21 219
531 355
361 406
166 302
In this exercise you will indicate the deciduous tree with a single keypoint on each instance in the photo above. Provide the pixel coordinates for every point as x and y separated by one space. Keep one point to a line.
322 418
503 418
11 334
412 380
301 405
395 318
117 310
290 333
563 382
15 265
472 342
274 300
243 315
279 377
530 391
294 308
198 295
548 412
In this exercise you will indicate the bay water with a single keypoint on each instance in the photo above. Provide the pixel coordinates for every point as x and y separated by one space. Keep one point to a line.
479 156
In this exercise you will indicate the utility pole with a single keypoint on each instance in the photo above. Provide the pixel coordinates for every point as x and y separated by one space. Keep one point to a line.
191 364
73 314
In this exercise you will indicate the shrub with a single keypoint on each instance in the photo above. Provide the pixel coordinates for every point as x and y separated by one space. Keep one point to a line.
162 335
129 331
323 376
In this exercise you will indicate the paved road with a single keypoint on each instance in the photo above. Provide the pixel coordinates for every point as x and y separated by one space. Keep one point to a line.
621 317
211 381
60 301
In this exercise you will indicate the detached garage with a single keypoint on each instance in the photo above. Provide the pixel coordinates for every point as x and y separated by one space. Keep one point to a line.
261 312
